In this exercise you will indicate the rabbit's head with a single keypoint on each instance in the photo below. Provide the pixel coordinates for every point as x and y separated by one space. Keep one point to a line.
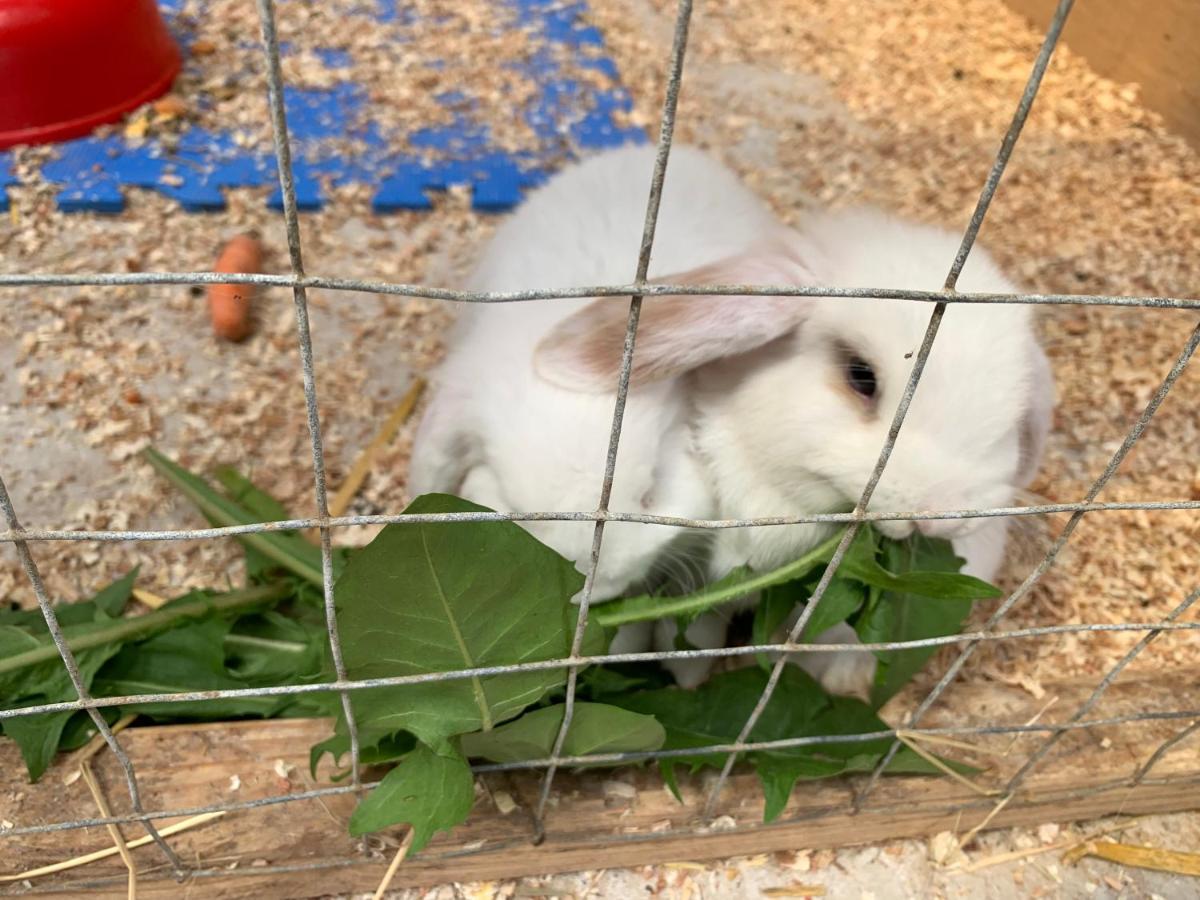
794 396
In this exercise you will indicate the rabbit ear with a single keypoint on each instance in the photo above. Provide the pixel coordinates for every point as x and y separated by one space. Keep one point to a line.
1036 424
678 332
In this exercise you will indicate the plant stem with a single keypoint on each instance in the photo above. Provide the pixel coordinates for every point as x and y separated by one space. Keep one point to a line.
649 608
249 640
142 626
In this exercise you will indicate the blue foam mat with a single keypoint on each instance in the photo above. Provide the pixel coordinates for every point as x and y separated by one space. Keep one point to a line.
200 164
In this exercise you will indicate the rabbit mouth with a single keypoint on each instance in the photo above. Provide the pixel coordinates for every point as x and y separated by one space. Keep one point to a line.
945 529
896 529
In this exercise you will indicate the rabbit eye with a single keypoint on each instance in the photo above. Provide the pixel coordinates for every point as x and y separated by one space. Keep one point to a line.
861 377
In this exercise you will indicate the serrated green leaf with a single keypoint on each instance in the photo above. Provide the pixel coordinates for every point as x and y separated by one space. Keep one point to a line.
435 597
904 616
737 584
290 551
716 711
944 584
374 749
429 791
595 728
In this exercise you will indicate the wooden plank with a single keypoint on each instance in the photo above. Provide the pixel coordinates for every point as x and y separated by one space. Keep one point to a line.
1155 44
301 849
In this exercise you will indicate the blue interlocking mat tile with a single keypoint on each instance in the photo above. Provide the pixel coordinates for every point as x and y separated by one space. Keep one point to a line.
336 135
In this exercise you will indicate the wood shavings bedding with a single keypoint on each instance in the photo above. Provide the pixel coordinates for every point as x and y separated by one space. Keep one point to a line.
477 51
900 104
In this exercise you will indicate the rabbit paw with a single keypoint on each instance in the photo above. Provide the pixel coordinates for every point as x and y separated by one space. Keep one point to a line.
848 674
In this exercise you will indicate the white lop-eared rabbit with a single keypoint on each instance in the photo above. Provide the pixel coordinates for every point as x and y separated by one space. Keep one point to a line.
740 406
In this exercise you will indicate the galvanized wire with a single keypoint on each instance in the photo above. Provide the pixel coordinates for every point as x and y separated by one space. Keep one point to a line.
191 534
1051 555
935 320
77 682
632 838
608 659
283 157
666 132
592 759
1088 705
641 289
1175 740
637 290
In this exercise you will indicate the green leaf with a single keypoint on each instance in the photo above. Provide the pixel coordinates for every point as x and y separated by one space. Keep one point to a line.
188 658
734 586
44 681
80 729
109 602
271 648
374 750
773 609
441 596
598 682
430 791
717 710
900 615
947 585
595 728
666 770
263 507
37 737
112 599
249 496
290 551
842 599
33 622
32 672
18 662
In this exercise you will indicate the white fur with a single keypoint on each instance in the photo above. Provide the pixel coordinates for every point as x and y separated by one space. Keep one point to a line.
760 433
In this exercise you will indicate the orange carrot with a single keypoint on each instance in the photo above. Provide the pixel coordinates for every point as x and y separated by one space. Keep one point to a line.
229 304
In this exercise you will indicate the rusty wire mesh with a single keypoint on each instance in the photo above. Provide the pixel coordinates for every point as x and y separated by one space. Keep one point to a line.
300 282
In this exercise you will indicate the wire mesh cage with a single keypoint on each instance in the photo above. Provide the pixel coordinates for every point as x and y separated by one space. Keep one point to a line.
25 541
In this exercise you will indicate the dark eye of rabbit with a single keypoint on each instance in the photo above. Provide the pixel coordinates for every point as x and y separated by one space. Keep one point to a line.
860 376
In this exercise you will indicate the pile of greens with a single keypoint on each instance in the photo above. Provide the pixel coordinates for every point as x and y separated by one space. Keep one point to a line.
436 597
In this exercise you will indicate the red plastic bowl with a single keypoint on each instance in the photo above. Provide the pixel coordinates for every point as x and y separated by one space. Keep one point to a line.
67 66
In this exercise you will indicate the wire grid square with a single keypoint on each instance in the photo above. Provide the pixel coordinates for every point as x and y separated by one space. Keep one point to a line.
299 282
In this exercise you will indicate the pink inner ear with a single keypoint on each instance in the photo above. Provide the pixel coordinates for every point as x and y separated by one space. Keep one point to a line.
678 332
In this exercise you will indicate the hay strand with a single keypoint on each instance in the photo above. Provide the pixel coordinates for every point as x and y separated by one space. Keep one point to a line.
362 466
1176 862
76 861
113 831
393 867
